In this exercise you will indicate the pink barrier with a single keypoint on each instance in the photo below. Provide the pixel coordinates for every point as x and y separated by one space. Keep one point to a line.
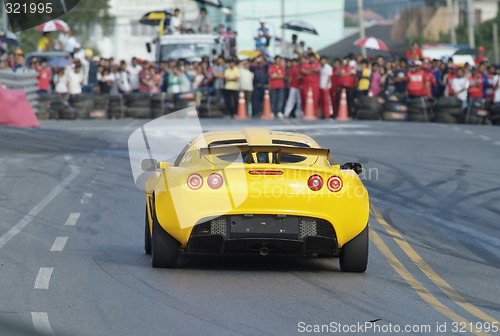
15 110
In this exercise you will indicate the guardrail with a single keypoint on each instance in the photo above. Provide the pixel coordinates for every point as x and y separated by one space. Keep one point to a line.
25 81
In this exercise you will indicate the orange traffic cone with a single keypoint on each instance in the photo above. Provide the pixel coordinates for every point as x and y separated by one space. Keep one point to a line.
266 108
343 114
242 107
309 113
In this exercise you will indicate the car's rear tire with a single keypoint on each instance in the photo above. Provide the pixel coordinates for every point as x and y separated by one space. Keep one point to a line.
354 254
147 234
164 248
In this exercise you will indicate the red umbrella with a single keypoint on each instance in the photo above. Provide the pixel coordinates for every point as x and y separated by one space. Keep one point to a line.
372 43
53 25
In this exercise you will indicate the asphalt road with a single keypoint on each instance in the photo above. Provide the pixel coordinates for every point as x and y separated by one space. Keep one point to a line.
71 241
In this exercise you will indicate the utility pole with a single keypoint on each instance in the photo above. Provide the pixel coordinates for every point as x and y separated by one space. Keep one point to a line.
410 22
5 25
283 43
470 22
361 25
495 42
451 19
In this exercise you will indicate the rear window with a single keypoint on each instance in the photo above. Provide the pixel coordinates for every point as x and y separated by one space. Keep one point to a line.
263 157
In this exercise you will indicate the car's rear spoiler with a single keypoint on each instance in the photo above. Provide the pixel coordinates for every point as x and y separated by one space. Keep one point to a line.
266 149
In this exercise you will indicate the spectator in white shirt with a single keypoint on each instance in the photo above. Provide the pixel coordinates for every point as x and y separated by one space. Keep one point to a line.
75 79
176 23
246 83
123 78
460 85
133 74
204 24
325 84
62 39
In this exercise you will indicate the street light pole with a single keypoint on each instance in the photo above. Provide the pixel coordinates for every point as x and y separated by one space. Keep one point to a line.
283 46
470 22
361 25
451 19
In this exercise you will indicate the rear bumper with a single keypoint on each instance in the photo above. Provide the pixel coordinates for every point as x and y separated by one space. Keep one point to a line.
291 235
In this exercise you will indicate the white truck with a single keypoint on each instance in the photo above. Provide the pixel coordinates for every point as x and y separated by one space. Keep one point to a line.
190 47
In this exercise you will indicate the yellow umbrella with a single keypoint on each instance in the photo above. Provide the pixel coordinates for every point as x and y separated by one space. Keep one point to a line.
250 53
155 18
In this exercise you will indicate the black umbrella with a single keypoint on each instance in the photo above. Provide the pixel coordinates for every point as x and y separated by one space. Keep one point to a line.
300 26
215 3
8 37
467 51
154 18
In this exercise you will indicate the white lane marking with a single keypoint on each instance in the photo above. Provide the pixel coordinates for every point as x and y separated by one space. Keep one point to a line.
41 323
72 219
86 198
468 132
497 143
75 171
485 138
59 244
43 278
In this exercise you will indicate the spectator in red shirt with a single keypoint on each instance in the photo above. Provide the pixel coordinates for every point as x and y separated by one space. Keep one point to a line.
479 58
335 86
418 84
145 79
347 80
44 76
294 99
476 84
310 72
276 73
449 77
415 53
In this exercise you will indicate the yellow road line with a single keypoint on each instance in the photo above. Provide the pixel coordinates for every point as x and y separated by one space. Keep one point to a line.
421 290
428 271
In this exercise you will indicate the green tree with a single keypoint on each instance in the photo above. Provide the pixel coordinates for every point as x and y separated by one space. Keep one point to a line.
483 35
82 19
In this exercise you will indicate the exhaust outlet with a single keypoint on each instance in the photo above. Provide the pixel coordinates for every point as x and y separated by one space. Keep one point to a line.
264 251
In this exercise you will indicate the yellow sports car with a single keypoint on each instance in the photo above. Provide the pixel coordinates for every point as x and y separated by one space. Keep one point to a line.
256 191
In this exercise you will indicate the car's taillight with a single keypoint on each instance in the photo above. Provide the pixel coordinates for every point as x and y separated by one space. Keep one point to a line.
334 183
315 182
194 181
215 181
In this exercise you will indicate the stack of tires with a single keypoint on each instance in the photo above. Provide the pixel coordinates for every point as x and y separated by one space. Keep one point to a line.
370 108
395 111
495 114
449 110
44 103
211 107
477 111
82 105
60 109
101 104
138 105
420 109
161 104
116 107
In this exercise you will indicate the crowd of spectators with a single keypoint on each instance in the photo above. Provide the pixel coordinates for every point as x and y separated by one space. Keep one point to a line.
289 79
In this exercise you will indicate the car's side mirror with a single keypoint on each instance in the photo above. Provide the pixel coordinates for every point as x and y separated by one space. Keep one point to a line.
149 165
148 47
356 166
